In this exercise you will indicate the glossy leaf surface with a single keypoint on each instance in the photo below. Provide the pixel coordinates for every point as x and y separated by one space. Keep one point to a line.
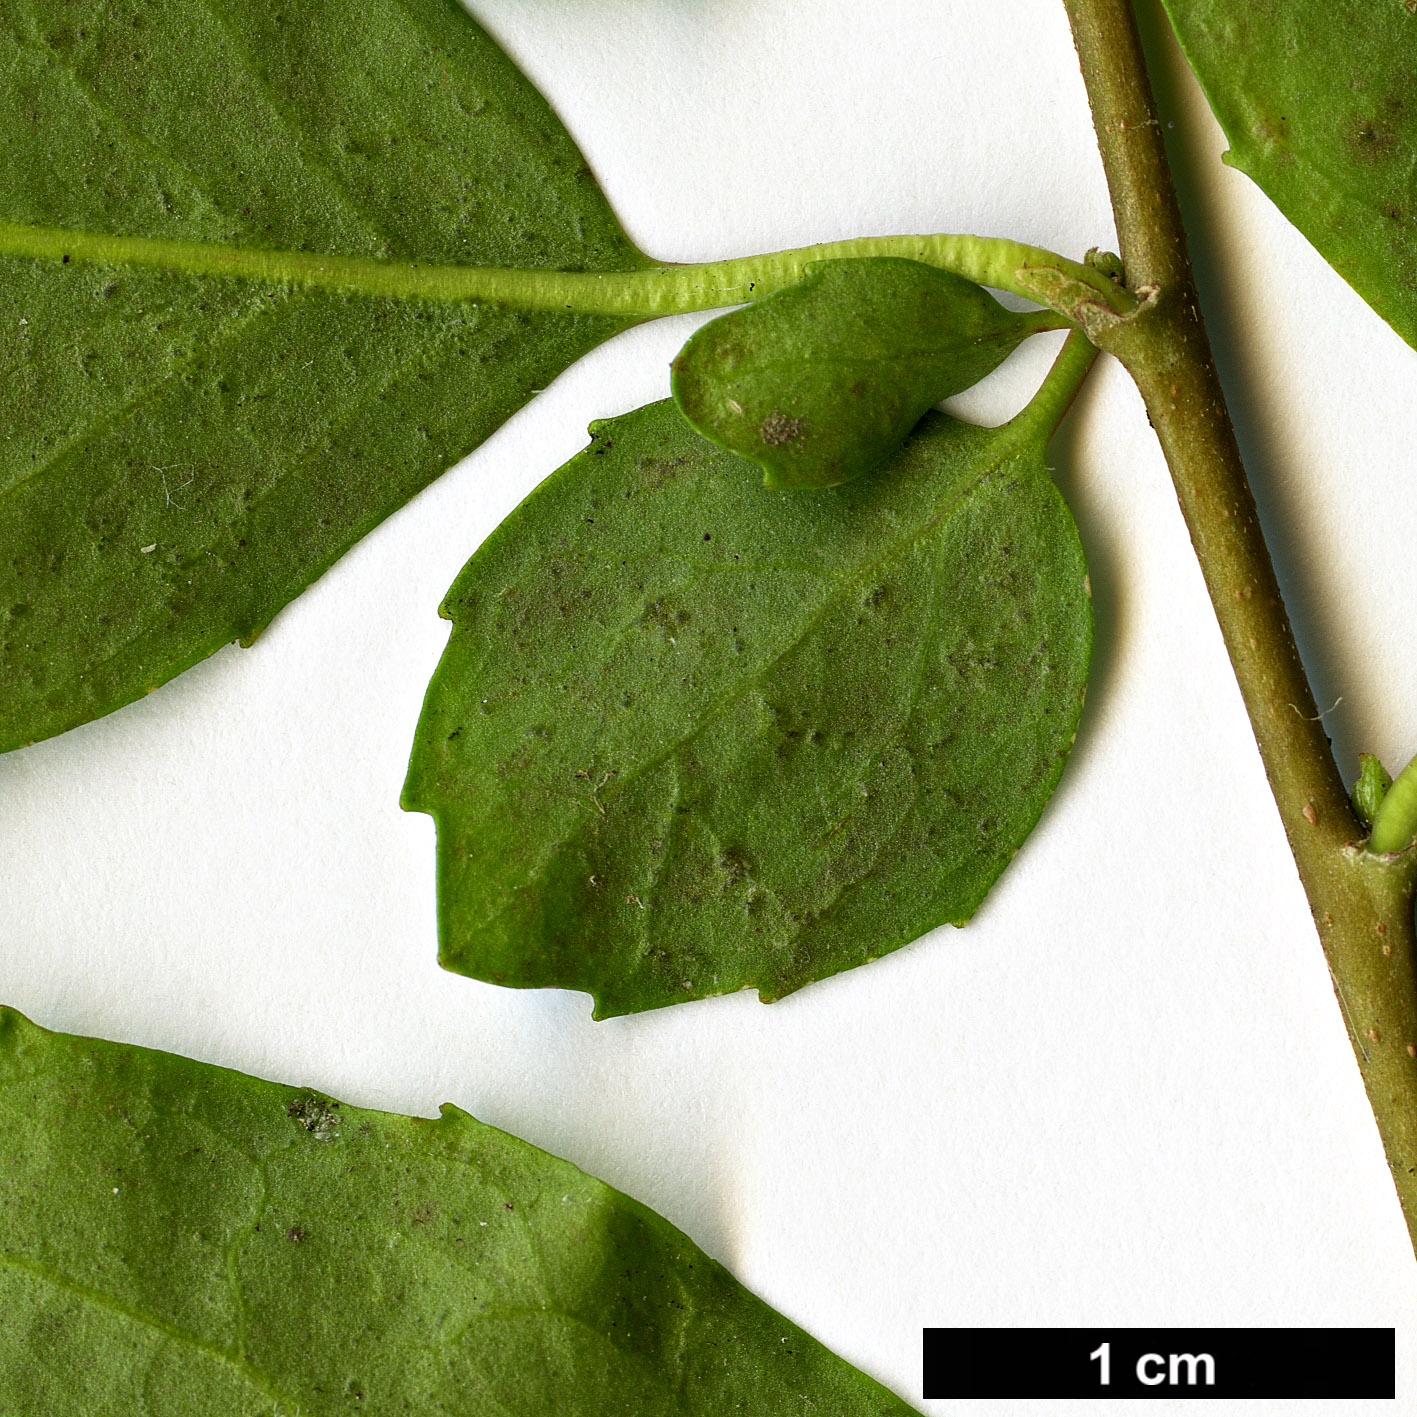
1316 99
689 736
821 382
178 1240
186 450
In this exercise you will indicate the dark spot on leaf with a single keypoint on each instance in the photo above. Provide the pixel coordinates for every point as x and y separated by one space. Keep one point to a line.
659 472
778 428
734 864
666 618
1372 140
316 1115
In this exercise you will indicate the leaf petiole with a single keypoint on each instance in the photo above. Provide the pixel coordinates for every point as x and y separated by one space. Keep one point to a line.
1045 410
651 291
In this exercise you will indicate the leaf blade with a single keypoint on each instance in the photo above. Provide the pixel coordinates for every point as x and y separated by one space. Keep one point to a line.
1315 101
180 1239
150 409
822 381
689 736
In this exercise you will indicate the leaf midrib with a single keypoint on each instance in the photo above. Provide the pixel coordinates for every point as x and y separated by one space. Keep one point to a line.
539 288
642 289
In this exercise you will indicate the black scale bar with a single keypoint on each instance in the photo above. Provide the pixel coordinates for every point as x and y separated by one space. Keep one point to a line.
1290 1363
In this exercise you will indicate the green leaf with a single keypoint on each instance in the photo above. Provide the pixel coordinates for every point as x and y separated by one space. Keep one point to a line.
1370 789
179 1240
689 736
195 429
1394 820
823 381
1317 103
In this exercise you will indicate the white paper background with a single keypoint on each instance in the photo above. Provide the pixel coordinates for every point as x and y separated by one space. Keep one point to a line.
1122 1096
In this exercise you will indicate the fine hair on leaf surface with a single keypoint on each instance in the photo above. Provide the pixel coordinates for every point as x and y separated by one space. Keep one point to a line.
821 382
247 310
691 736
1316 98
188 450
324 1258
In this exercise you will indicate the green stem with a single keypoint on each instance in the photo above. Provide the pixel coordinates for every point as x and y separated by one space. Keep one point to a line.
641 294
1362 903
